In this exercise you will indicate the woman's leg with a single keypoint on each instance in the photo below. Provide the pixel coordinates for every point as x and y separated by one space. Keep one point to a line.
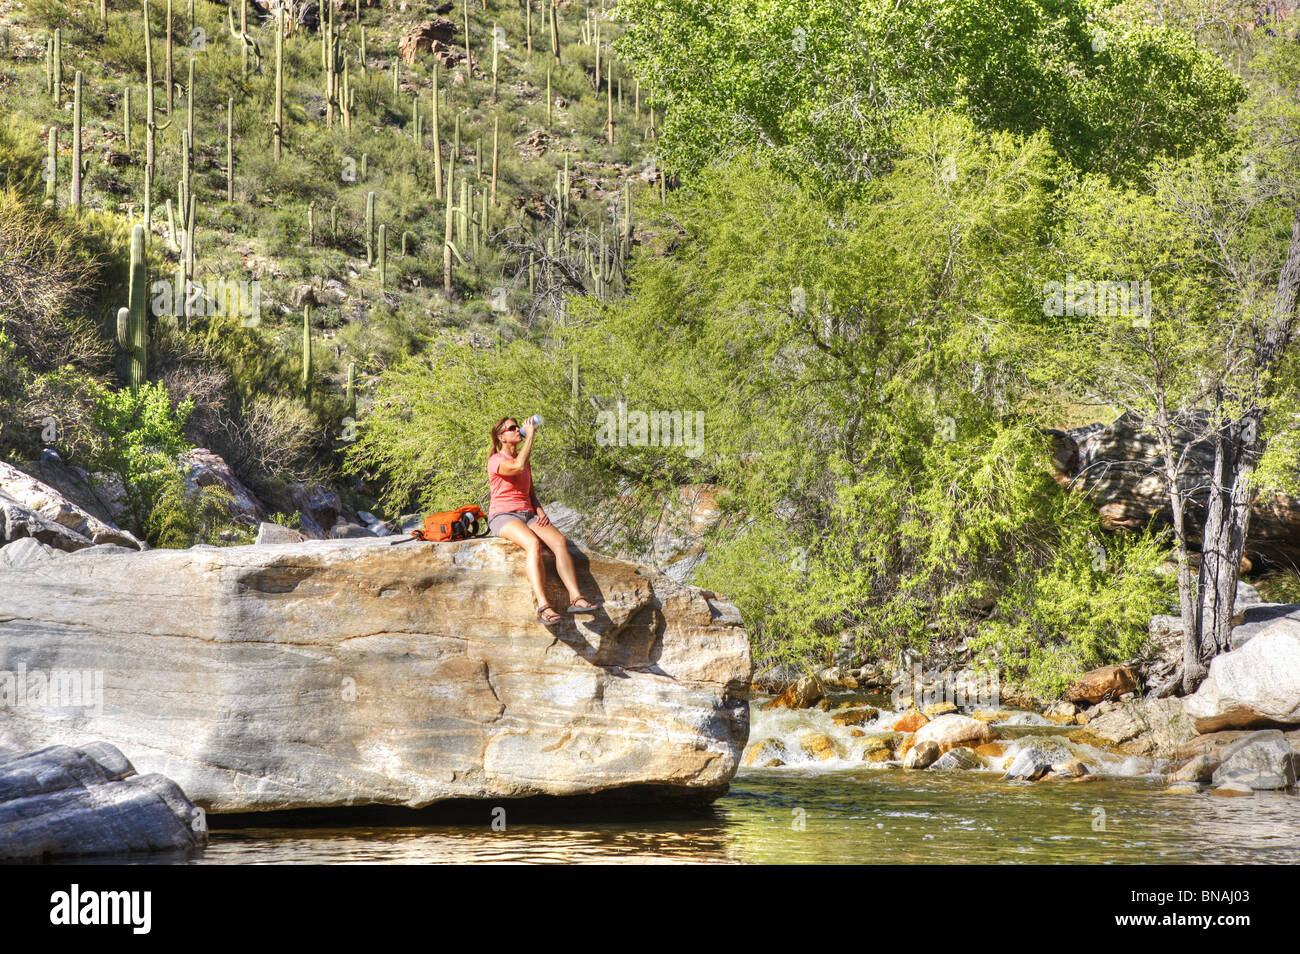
516 531
553 538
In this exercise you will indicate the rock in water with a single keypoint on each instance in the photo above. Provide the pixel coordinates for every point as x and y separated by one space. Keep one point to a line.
63 801
950 730
960 758
920 755
334 673
1031 764
1262 760
1256 685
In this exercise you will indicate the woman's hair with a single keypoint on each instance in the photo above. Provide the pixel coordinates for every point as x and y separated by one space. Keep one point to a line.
496 432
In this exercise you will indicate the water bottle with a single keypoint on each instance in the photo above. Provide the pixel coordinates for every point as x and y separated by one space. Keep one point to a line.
535 421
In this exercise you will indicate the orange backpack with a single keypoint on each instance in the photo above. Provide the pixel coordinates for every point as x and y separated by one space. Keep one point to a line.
459 524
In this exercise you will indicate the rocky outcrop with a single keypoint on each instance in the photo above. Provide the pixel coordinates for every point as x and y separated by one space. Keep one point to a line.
1158 728
206 469
329 673
432 36
1119 466
32 508
62 801
1257 685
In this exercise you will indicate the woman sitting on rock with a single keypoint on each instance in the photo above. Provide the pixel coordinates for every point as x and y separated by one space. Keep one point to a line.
515 514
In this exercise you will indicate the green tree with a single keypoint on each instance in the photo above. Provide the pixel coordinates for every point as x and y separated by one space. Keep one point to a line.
142 435
822 84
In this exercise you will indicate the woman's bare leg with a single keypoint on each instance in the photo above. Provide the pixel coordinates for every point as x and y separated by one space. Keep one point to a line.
517 532
554 539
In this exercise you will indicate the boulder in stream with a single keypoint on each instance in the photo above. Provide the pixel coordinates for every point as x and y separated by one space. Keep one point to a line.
921 755
952 730
333 673
62 801
1263 760
1108 682
958 759
1256 685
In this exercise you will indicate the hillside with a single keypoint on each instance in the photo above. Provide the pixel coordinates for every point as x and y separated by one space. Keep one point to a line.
314 271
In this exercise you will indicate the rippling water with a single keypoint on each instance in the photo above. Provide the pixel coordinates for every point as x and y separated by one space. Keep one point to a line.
874 815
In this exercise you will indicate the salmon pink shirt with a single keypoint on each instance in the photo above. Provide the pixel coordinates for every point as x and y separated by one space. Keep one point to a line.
507 493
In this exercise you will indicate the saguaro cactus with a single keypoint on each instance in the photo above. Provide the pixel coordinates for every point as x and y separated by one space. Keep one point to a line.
383 256
496 130
58 68
306 349
437 139
132 321
230 149
555 31
351 392
52 166
278 120
76 141
370 228
167 60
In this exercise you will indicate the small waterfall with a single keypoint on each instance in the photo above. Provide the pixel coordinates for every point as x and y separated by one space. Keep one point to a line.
849 735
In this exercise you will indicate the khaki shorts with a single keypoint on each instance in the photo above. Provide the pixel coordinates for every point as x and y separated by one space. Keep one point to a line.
497 520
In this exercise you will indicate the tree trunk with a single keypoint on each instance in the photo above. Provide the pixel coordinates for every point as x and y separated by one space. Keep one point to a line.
1238 445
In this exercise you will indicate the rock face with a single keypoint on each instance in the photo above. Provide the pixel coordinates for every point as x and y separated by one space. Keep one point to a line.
433 36
63 801
333 673
1118 466
32 508
206 469
1149 727
1257 685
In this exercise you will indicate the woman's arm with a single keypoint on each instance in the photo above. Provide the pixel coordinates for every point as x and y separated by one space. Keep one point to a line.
542 519
518 463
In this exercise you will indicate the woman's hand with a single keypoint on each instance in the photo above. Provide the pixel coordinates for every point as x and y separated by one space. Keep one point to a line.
542 519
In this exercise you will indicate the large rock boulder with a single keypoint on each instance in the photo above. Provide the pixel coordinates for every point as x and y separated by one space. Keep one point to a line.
1255 686
206 469
1158 728
432 36
333 673
62 801
32 508
1108 682
1262 760
1118 466
952 729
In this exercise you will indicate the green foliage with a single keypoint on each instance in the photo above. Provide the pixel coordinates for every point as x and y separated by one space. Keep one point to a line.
292 520
821 83
143 435
22 155
860 411
182 516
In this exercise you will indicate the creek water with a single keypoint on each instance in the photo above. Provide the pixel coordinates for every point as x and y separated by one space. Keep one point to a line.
830 807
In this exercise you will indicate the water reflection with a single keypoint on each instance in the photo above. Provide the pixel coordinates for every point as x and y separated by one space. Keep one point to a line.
856 815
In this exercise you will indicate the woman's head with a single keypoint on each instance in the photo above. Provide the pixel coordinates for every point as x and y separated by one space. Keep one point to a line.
500 434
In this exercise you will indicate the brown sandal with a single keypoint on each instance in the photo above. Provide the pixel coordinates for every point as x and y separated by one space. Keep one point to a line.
543 620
